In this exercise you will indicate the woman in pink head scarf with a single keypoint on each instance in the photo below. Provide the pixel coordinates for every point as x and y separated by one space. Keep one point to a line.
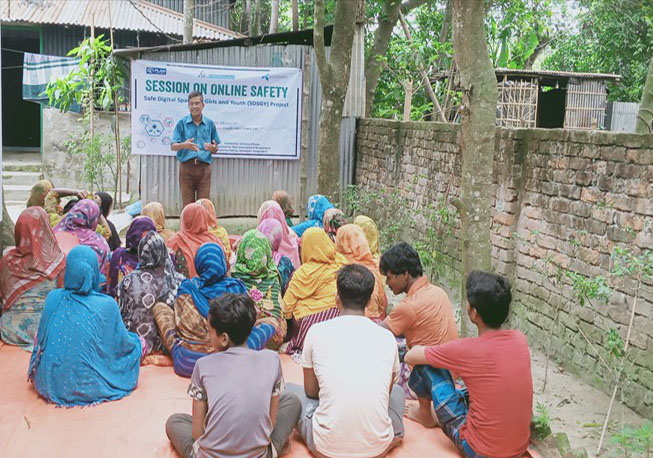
289 245
273 230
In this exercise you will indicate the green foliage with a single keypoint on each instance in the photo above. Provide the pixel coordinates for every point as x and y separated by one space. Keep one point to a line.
614 344
431 228
98 155
627 264
95 69
516 27
588 288
542 421
635 441
401 65
611 37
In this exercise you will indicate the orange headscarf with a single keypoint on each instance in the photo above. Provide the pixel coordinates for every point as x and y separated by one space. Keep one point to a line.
312 288
215 228
36 258
155 211
352 244
193 233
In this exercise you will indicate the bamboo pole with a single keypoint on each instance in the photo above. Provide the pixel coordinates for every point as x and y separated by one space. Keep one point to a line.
117 128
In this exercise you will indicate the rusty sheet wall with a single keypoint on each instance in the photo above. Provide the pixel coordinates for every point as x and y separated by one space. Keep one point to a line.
239 186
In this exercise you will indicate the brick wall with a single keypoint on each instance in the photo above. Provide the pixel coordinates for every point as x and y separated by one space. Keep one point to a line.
563 197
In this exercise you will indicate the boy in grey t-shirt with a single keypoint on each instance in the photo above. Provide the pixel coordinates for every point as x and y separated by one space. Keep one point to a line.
239 407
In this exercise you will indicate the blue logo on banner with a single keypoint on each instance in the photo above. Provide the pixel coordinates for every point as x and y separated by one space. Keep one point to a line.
155 70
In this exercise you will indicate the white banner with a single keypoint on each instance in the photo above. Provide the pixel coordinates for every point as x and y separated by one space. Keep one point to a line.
257 111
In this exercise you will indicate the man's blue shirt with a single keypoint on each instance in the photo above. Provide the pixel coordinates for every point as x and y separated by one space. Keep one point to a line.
205 132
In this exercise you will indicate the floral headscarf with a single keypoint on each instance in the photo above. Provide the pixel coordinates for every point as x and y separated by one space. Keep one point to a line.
38 193
333 220
255 266
154 281
81 221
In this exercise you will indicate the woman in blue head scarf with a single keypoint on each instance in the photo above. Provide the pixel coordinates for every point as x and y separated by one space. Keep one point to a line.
83 354
317 205
185 330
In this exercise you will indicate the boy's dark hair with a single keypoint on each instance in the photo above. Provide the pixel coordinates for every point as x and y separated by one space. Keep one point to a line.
234 314
490 296
194 94
355 286
400 259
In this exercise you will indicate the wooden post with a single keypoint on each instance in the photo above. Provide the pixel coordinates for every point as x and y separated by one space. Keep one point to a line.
117 128
408 100
92 97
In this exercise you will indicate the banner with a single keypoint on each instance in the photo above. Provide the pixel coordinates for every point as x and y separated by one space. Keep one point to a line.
257 111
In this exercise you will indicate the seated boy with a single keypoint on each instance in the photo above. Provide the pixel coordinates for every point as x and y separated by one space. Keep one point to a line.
496 369
424 316
239 407
350 407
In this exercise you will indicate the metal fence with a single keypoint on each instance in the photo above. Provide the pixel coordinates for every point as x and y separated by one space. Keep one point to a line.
622 116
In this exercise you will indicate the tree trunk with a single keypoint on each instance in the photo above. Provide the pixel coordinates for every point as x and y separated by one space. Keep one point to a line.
295 16
247 14
274 17
334 78
189 9
477 131
257 18
644 124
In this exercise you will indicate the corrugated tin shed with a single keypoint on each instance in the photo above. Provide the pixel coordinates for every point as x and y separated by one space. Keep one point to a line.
134 15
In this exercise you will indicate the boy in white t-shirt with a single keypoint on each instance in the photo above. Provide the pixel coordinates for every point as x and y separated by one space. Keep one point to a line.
350 405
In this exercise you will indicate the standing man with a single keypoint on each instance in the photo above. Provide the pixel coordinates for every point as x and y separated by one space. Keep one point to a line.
195 140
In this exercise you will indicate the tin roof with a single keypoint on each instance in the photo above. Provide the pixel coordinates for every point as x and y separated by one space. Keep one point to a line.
135 15
556 74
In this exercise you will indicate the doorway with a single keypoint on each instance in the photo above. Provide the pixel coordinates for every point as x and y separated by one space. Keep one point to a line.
21 120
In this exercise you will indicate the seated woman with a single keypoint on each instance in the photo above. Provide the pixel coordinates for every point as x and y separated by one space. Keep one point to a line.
184 330
27 274
105 201
157 213
256 268
154 281
371 234
311 295
125 260
83 355
273 230
284 201
317 206
215 228
81 221
289 245
352 245
333 220
193 233
38 193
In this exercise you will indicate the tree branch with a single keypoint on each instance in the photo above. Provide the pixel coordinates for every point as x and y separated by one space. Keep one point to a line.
408 5
318 43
